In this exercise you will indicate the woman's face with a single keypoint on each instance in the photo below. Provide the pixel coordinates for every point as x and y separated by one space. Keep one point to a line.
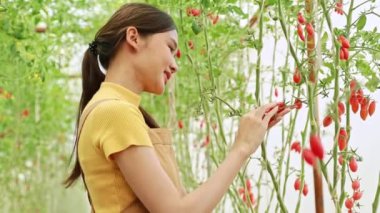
156 62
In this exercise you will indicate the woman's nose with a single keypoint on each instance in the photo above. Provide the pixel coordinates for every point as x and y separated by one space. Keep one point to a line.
173 67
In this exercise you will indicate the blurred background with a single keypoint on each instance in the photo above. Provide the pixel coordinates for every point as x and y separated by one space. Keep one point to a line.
42 44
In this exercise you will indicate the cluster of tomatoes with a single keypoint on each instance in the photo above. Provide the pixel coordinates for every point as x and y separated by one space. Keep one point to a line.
357 99
246 192
308 26
316 150
297 186
350 201
197 12
344 53
339 7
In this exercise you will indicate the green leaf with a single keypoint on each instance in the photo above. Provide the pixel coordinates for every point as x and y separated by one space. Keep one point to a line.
373 81
270 2
196 27
361 23
217 72
324 40
206 3
236 9
372 84
364 68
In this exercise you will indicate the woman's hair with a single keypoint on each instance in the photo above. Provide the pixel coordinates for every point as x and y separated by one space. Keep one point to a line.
148 20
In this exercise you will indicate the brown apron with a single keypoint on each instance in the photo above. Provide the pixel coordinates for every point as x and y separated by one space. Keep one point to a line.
161 139
162 143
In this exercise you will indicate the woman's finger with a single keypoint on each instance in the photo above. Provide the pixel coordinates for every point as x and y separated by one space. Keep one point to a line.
284 112
274 122
263 109
270 114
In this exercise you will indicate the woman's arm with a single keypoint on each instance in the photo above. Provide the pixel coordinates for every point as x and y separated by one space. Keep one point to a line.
143 172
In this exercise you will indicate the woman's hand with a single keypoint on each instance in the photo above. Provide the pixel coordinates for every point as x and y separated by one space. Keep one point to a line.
253 126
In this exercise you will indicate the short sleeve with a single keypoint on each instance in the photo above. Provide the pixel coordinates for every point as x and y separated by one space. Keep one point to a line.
121 125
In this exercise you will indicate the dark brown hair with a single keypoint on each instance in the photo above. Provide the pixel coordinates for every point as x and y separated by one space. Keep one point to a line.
147 20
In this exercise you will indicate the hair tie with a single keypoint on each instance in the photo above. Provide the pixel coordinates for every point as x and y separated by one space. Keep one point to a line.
92 47
104 71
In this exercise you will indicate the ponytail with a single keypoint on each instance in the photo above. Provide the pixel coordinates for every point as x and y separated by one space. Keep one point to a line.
92 78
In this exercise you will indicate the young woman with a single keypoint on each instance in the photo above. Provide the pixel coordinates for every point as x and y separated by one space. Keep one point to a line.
125 159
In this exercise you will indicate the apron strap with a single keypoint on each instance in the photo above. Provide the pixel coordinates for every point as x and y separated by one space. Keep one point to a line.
82 119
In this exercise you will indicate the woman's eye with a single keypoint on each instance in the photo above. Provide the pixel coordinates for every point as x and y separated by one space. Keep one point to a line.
171 48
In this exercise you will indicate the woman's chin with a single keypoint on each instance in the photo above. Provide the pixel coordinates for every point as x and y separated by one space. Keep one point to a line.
161 91
158 90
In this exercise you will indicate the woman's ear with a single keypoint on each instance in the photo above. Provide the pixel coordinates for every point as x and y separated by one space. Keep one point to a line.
132 37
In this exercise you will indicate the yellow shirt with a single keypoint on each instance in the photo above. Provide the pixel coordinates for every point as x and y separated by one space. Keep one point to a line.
111 127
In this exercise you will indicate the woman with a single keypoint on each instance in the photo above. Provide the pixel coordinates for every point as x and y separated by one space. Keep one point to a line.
125 159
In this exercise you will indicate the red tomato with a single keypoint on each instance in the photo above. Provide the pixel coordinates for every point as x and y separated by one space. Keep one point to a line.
305 189
297 76
340 160
178 53
346 53
180 124
206 141
316 146
297 184
300 18
195 12
342 139
298 103
327 121
300 32
309 29
341 54
349 203
308 156
354 102
341 108
214 18
363 112
355 185
191 44
372 108
252 198
353 164
248 184
25 113
344 42
352 85
339 8
296 146
357 195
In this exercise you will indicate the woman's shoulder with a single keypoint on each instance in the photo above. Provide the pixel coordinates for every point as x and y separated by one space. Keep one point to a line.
116 109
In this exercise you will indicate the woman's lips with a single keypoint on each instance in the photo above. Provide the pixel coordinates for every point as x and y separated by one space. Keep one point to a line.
168 75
